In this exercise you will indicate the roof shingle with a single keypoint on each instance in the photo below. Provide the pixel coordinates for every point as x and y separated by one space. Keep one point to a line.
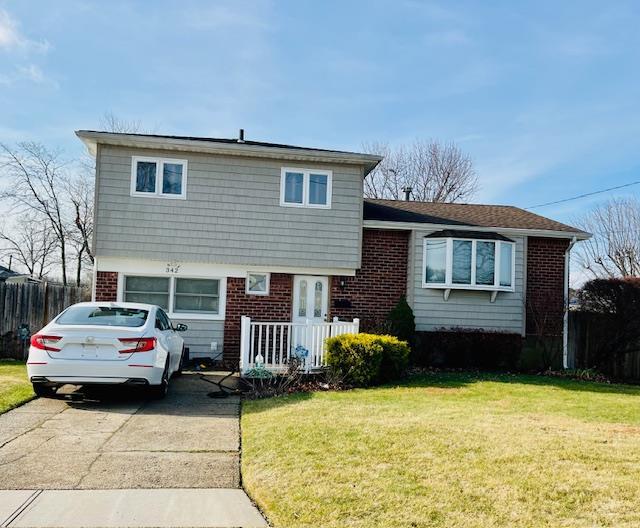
472 215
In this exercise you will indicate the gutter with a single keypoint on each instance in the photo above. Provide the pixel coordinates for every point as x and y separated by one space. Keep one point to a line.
565 322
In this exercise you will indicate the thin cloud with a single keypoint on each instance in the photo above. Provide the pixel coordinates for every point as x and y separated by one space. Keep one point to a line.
12 39
30 73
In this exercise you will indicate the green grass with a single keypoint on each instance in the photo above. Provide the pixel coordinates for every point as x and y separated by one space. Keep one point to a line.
15 388
448 450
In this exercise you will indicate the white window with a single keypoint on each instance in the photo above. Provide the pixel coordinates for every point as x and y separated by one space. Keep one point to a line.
158 177
181 297
257 284
461 263
305 188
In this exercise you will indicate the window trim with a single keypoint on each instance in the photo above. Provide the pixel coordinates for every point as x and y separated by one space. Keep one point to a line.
306 178
448 283
268 282
177 316
159 175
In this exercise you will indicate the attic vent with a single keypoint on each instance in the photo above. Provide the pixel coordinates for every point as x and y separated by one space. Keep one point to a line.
407 193
241 136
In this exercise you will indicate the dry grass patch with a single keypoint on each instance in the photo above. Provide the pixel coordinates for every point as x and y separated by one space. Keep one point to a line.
488 451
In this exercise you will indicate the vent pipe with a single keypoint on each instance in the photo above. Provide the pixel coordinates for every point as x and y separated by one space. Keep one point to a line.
241 136
407 193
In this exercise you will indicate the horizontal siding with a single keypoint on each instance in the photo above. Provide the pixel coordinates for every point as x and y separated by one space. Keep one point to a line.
466 309
199 336
231 215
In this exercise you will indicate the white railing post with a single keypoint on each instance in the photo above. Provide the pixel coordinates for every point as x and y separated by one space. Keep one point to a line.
245 342
309 344
356 324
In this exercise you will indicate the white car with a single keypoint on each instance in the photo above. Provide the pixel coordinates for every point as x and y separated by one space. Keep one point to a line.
106 343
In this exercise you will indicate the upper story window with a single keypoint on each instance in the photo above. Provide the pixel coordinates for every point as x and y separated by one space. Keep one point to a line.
166 178
305 188
472 263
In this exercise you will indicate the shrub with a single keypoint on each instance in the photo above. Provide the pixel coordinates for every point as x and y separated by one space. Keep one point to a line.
366 359
401 321
467 348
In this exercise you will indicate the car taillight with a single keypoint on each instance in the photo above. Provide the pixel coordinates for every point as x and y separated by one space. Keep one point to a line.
44 342
140 344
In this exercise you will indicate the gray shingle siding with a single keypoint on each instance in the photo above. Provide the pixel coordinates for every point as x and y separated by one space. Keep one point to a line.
200 335
466 309
232 214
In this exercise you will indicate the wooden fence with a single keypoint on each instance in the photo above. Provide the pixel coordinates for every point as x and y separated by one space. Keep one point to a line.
31 304
587 349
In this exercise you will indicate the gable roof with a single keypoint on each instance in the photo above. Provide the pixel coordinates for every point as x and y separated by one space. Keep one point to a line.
227 146
468 215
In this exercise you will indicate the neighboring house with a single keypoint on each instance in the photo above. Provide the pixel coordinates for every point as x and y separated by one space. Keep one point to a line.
217 229
13 277
6 273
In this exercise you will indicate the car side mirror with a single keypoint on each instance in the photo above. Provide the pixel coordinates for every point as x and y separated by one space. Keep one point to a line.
180 327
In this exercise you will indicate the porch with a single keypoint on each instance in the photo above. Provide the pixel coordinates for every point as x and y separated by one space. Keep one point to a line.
273 344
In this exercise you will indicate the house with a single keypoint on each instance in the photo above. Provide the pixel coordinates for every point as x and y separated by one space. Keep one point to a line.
9 276
261 247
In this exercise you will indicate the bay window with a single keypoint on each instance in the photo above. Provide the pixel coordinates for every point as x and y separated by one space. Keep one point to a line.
473 261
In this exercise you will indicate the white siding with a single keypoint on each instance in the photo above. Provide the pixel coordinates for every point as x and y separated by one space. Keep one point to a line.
466 309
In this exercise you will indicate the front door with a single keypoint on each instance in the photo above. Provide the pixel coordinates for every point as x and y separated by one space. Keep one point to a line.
310 298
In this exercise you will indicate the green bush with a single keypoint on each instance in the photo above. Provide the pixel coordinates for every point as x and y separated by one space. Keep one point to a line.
366 359
401 321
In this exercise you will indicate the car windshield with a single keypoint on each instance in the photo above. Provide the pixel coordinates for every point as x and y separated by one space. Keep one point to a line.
103 316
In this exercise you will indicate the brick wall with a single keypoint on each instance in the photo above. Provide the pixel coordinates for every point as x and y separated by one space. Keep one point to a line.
273 307
545 285
106 286
379 283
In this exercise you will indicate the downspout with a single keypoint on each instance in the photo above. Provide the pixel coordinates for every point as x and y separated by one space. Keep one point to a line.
565 322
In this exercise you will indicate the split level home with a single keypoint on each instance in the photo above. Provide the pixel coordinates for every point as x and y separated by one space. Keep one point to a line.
264 249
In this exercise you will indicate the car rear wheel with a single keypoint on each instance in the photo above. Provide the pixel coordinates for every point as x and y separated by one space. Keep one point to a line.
43 391
160 391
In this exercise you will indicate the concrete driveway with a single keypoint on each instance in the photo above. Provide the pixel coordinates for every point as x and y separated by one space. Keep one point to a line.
185 441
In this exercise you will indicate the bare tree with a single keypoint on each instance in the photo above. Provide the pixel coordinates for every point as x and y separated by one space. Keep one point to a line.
435 171
112 123
37 184
80 230
614 249
31 243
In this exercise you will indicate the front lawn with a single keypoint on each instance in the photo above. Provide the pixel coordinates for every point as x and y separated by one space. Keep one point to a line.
15 389
448 450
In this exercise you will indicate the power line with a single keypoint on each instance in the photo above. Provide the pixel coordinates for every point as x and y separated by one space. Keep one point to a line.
584 195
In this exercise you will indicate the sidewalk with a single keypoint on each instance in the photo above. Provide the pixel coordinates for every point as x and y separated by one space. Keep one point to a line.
139 508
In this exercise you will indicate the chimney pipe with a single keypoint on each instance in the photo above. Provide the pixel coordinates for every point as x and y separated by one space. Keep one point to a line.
407 193
241 136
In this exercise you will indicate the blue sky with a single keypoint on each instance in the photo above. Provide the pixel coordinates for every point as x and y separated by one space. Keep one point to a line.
543 95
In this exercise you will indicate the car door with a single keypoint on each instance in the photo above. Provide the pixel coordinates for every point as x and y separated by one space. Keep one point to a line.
163 331
174 341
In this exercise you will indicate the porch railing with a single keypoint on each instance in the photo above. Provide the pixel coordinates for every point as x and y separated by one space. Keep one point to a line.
273 344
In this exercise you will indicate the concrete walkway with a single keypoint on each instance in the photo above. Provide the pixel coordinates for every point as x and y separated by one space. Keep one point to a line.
125 461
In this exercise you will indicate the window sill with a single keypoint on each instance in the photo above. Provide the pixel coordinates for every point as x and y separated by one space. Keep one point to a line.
162 196
305 206
447 288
